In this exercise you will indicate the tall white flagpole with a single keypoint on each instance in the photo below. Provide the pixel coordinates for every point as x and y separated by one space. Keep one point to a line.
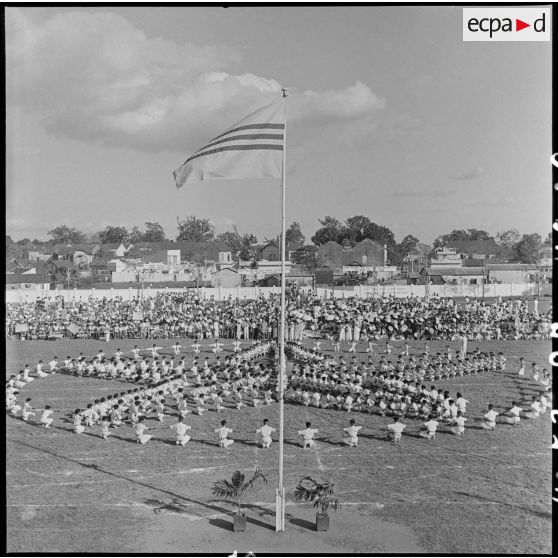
280 494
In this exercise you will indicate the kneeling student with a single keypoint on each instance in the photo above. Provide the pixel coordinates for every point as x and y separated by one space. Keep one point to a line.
222 433
181 429
352 434
265 432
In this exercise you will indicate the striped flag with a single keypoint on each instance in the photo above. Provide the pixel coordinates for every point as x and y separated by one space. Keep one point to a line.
252 148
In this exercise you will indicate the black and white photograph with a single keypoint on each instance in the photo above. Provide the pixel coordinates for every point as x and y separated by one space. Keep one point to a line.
279 279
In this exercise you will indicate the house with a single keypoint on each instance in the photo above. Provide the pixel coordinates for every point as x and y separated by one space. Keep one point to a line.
453 276
479 249
33 282
270 252
445 257
39 255
80 254
226 277
365 253
114 249
174 253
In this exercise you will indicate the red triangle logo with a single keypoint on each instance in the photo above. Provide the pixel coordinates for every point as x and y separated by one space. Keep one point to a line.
519 25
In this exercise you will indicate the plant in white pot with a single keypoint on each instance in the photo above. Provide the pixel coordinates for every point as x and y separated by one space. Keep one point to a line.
320 494
233 492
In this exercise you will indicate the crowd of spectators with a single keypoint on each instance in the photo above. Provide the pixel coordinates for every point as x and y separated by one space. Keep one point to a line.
190 315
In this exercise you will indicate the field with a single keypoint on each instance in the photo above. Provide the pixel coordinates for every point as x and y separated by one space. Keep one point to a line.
487 493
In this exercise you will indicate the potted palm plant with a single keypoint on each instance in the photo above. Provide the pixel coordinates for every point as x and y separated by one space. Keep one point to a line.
321 496
233 492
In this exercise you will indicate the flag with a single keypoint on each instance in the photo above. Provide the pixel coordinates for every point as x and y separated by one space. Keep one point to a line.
252 148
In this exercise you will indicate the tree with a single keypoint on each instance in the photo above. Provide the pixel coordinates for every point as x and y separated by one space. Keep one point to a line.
294 236
508 238
113 235
66 235
330 230
527 249
194 229
460 234
408 245
154 232
135 235
548 239
240 244
357 228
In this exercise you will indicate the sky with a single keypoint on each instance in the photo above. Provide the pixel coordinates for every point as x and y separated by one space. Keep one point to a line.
390 115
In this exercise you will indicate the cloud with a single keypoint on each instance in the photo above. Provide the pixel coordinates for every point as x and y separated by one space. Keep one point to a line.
475 172
95 77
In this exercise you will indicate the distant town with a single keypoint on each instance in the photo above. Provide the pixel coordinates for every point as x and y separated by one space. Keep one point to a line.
356 252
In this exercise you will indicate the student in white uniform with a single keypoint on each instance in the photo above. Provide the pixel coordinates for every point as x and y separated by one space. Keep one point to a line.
513 415
135 352
11 403
396 429
458 424
265 433
222 434
53 364
27 410
46 417
490 418
180 428
26 372
431 426
217 347
78 427
40 372
154 350
139 429
308 436
105 423
351 438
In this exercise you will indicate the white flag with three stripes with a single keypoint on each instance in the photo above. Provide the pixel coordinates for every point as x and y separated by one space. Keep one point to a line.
252 148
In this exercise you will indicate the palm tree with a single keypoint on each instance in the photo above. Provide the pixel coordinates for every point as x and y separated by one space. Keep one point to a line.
232 491
319 493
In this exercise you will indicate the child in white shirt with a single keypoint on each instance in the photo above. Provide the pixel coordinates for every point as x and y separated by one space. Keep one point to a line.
308 436
490 416
265 433
396 430
46 419
139 429
431 427
459 422
180 428
27 409
351 439
222 433
78 427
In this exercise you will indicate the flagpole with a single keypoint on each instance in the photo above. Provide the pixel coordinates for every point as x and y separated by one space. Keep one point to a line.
280 494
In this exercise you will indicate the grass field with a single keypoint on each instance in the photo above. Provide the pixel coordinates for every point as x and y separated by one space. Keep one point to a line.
488 493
